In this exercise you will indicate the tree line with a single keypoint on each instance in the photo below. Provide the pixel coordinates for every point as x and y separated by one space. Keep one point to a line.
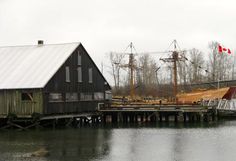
154 78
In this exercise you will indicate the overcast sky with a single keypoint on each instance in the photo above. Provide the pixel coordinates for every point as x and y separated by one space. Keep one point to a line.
110 25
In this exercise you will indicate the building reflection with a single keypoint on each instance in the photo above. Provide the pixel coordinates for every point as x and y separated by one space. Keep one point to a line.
64 144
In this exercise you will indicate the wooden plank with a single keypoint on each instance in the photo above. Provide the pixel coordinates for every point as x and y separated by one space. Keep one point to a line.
68 116
157 108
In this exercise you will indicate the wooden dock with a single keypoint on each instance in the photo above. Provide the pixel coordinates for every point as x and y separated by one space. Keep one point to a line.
124 113
53 121
157 113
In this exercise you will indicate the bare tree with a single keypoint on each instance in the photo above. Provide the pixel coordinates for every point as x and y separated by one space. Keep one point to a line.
219 63
116 61
182 72
196 66
233 77
147 76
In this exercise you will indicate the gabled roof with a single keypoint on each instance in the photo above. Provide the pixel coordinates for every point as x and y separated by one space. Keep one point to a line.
25 67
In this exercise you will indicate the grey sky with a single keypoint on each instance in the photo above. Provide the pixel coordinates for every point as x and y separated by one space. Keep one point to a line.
110 25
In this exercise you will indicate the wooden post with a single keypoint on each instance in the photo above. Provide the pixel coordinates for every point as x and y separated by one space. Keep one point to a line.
185 117
131 116
214 114
157 116
176 117
120 117
97 119
166 118
124 118
114 118
210 117
135 118
190 116
153 117
128 117
104 119
205 117
180 117
93 119
141 117
160 117
54 124
147 119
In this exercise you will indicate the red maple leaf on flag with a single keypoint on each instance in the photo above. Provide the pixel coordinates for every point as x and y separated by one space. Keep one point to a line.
222 49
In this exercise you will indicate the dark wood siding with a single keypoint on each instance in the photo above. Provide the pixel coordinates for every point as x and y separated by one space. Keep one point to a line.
58 84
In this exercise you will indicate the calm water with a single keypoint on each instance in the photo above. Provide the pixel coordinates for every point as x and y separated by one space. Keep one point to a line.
165 142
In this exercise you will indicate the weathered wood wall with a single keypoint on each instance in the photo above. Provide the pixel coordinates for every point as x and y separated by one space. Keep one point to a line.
71 107
12 103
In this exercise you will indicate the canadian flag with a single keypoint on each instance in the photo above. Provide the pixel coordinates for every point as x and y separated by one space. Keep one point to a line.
222 49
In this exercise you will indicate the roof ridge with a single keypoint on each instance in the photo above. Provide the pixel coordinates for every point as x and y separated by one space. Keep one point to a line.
40 46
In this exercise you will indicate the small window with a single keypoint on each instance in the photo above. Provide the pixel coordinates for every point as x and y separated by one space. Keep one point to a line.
55 97
86 96
98 96
27 96
71 97
90 72
108 95
79 58
67 74
79 70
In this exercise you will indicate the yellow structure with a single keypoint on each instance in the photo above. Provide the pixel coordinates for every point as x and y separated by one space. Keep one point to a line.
194 97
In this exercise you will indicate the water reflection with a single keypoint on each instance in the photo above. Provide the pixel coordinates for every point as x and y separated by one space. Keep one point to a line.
64 144
152 142
170 141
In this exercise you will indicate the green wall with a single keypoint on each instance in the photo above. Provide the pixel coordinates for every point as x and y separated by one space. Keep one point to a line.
11 102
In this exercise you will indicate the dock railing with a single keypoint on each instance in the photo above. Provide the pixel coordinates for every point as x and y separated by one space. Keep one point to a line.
229 105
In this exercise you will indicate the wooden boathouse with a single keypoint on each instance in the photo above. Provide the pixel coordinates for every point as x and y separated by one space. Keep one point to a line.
60 84
49 79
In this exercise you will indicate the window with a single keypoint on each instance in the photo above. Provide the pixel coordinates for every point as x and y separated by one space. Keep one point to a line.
86 96
79 70
98 96
27 96
55 97
90 72
79 58
67 74
71 97
108 95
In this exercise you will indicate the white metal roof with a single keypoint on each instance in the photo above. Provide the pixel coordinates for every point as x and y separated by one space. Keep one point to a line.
24 67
